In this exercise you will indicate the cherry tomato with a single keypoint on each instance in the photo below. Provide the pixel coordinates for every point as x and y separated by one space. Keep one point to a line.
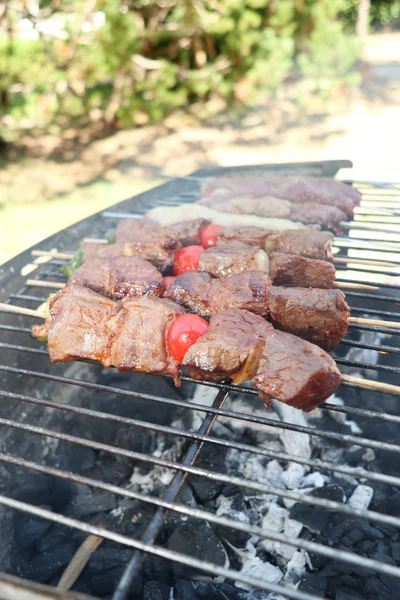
168 281
187 259
209 235
183 333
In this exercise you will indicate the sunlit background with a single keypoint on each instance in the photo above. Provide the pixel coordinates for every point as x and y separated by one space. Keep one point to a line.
99 98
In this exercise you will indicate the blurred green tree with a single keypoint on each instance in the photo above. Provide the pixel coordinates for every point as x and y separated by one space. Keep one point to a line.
122 62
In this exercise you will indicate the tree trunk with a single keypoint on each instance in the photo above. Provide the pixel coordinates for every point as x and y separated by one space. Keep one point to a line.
363 18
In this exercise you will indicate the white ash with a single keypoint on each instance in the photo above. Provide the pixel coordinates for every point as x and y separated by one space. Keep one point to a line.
314 480
361 497
369 455
294 442
292 477
295 569
225 508
147 482
254 407
364 354
260 570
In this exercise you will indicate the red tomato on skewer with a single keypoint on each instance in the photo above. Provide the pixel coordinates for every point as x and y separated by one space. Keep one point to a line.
183 333
209 235
187 259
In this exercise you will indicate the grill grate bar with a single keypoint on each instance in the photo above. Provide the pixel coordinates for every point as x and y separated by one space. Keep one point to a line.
345 438
166 505
277 454
149 536
378 347
342 361
191 562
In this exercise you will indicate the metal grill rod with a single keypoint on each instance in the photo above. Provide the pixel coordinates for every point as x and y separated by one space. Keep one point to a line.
170 495
180 558
345 438
179 508
276 454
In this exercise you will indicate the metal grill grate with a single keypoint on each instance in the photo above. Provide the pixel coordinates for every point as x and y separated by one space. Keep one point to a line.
17 357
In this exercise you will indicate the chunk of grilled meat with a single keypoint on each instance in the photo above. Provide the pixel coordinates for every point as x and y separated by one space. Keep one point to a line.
253 236
205 296
159 252
299 189
298 271
102 251
133 230
79 325
319 316
230 348
227 260
295 372
271 207
139 339
310 244
124 276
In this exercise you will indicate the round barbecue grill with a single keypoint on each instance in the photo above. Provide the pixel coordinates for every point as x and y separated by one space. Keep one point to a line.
333 473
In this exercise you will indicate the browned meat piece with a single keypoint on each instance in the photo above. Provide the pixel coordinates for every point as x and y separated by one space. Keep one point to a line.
123 276
230 347
247 290
186 232
263 206
205 296
94 273
253 236
132 276
135 230
161 253
298 271
319 316
227 260
271 207
311 244
295 372
139 342
193 291
313 212
294 188
104 251
79 325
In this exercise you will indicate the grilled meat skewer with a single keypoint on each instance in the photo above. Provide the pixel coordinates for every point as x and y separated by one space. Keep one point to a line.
134 335
320 316
297 189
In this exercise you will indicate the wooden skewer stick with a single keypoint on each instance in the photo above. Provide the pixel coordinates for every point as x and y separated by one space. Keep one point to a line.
366 383
79 561
46 284
337 284
374 322
19 310
341 260
354 286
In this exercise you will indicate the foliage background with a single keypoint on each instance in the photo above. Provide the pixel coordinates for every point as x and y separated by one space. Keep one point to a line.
66 63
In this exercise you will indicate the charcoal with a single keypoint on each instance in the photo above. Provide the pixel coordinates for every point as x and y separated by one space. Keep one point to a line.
346 594
205 489
314 518
382 553
29 530
88 503
47 565
158 568
71 457
198 540
314 584
396 551
376 590
197 590
212 458
105 569
155 590
236 538
352 538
